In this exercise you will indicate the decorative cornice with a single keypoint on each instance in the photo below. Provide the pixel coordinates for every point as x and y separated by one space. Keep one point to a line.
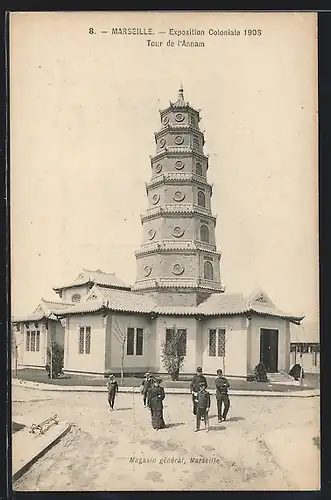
184 209
175 247
174 107
184 283
176 129
182 152
174 251
174 178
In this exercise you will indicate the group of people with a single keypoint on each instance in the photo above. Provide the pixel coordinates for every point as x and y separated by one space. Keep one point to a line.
153 395
201 398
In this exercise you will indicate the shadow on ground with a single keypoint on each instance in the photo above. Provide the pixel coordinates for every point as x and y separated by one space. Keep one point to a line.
177 424
214 428
234 419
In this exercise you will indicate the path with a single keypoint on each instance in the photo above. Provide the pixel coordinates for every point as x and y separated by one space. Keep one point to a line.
96 454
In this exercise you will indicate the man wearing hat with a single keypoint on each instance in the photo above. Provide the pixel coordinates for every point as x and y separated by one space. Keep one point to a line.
195 387
203 405
222 397
145 386
112 387
155 397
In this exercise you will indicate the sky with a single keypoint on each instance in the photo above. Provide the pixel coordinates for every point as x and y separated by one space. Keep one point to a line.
84 109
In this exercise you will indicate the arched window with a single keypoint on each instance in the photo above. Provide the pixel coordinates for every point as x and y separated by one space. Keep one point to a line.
208 270
198 169
204 233
75 298
201 199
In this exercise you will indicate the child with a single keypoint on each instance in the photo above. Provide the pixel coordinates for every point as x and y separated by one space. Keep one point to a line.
145 386
202 406
112 387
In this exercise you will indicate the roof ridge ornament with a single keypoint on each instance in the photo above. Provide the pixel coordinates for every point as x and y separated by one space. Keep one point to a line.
181 92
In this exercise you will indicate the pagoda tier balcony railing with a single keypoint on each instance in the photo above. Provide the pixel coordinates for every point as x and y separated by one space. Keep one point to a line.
177 208
185 281
178 282
145 284
211 284
202 245
175 245
186 151
186 207
177 177
176 128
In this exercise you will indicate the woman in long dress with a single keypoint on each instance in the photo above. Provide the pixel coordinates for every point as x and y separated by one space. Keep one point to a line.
155 398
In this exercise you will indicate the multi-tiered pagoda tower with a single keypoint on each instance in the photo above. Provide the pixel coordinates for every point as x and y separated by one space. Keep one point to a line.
178 262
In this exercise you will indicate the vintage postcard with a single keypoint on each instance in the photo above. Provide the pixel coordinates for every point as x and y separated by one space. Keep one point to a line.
164 252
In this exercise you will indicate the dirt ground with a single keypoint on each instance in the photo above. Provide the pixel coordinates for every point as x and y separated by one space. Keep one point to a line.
120 451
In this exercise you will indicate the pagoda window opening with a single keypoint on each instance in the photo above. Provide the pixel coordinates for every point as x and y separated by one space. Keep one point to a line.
198 169
76 297
201 199
208 271
204 233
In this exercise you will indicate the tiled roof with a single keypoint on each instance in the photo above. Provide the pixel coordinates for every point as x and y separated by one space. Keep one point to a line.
223 303
45 310
83 307
218 304
120 300
99 277
176 310
56 306
273 311
28 318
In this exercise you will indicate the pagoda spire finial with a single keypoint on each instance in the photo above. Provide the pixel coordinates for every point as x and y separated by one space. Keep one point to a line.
181 92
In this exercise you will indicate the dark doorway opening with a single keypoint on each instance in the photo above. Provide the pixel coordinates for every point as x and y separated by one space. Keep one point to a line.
269 349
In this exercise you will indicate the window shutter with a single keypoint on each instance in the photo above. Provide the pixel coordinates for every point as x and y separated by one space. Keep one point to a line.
33 341
221 342
38 340
212 342
182 334
81 340
169 336
130 342
28 340
139 342
88 340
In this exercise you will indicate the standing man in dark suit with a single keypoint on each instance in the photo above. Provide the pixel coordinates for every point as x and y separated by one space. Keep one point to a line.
222 397
145 386
112 387
195 387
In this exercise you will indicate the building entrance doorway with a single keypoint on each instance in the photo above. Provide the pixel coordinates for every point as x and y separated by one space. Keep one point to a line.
269 349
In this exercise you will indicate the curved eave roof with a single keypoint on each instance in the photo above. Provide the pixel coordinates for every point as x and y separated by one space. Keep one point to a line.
30 318
217 305
91 282
83 308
